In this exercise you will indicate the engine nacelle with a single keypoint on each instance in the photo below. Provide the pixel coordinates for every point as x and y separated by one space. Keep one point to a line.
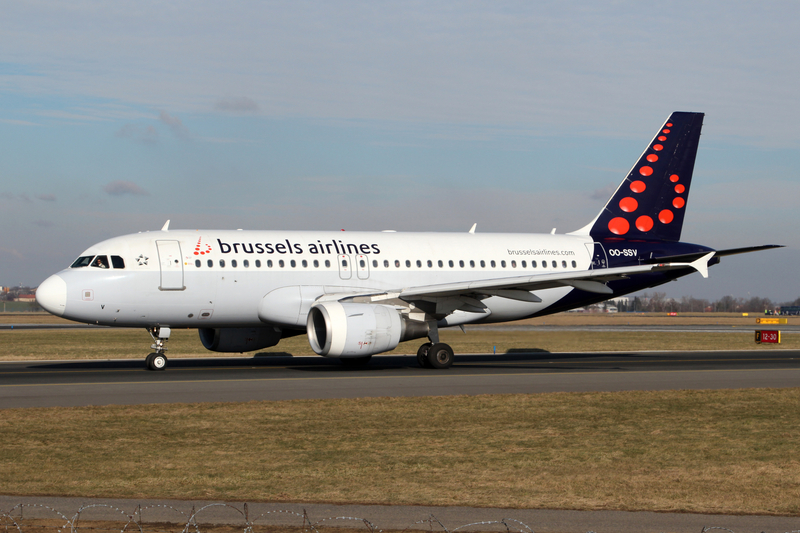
338 329
239 339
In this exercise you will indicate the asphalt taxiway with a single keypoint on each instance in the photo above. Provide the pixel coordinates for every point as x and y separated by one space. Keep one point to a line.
283 377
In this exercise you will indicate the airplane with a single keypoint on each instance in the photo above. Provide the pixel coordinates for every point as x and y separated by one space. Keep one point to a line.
356 294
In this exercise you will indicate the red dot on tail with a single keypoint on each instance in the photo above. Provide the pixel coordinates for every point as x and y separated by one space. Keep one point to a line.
645 171
638 186
657 147
674 178
618 226
644 223
669 124
680 189
662 138
197 253
665 130
678 202
665 216
652 158
628 204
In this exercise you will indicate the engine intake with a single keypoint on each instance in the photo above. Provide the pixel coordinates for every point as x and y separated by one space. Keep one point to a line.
338 329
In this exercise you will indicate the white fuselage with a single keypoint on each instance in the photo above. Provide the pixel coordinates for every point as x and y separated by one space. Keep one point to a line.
201 279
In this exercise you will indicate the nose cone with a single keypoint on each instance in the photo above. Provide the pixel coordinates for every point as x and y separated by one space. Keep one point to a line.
52 295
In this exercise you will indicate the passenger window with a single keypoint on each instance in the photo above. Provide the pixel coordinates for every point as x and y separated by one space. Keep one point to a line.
555 265
374 263
430 263
397 263
544 264
440 263
483 263
222 262
524 264
574 264
100 261
197 263
533 264
361 263
344 263
513 264
461 263
281 263
117 261
450 263
327 263
246 263
305 263
294 263
408 263
258 263
564 264
493 264
233 263
503 264
419 263
84 261
269 263
210 263
386 263
316 263
472 263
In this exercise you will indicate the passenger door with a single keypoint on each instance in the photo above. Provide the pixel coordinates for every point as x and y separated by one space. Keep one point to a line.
171 265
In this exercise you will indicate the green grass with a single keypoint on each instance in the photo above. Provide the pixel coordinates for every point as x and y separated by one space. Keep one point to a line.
135 343
693 451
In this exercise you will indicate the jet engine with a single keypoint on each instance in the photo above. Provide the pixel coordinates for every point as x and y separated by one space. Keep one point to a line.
239 339
346 330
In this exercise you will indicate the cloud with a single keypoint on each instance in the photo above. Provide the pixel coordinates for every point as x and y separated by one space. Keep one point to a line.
46 197
178 129
240 104
121 188
148 135
604 193
43 223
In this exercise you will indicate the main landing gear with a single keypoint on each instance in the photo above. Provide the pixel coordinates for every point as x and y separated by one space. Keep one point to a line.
435 355
157 360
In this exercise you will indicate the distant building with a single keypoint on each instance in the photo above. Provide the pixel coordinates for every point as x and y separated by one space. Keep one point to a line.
25 298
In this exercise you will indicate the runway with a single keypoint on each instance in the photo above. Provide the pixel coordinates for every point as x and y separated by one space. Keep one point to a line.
81 383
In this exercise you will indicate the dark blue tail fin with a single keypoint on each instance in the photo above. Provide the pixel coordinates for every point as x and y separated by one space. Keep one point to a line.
651 201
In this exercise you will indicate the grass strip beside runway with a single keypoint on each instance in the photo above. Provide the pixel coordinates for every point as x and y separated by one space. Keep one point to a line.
19 345
698 451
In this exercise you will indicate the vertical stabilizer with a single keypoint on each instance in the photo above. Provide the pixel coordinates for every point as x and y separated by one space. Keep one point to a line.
650 203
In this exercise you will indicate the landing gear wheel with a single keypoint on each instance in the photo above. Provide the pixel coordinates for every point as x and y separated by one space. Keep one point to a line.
351 362
422 355
440 356
156 361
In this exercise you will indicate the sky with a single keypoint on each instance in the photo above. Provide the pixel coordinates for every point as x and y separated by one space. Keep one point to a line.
413 116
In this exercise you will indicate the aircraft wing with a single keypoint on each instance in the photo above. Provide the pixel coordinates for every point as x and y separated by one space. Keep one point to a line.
520 287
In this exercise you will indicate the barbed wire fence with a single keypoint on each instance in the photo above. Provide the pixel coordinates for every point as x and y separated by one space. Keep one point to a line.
106 518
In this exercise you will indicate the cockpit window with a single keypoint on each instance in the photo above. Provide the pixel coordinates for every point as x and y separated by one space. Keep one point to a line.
83 261
117 261
101 261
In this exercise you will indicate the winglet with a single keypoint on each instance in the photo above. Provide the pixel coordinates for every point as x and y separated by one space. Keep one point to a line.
472 229
701 265
166 226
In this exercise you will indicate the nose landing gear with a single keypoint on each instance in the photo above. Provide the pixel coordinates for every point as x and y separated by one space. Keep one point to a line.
157 360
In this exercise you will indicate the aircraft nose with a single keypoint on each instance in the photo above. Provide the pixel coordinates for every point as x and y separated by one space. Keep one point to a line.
52 295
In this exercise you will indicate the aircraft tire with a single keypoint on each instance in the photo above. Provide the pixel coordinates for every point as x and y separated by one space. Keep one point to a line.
440 356
148 362
352 362
156 361
422 355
